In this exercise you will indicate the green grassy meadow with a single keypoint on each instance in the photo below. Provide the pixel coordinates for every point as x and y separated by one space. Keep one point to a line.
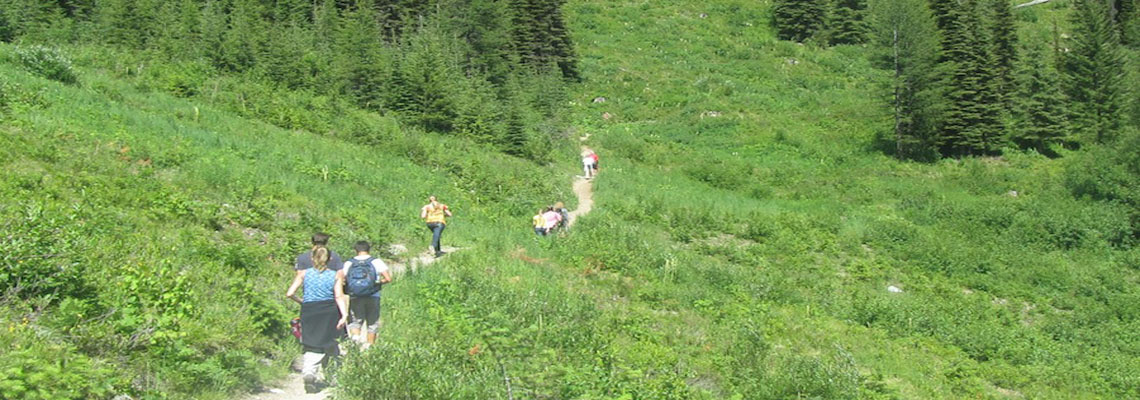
747 225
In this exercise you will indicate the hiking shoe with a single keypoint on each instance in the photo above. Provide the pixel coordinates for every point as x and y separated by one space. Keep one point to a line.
439 254
311 383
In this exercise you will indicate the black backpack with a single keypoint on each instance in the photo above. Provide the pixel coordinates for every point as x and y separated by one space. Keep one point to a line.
361 278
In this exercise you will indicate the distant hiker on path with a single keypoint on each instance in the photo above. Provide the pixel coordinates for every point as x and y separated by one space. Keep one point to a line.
363 276
587 164
594 155
323 310
433 214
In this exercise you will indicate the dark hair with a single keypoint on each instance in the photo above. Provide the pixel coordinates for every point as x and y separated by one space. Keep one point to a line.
321 238
362 246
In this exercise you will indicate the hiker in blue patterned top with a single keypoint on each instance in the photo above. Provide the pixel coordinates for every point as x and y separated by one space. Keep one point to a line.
363 276
324 311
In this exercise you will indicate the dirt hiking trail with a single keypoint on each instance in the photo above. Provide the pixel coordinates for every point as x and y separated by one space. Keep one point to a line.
584 189
291 388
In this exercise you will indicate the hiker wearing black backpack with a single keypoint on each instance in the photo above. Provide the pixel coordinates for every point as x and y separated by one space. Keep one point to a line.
363 277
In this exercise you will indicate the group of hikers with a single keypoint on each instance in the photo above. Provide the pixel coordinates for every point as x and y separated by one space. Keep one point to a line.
339 294
336 295
551 219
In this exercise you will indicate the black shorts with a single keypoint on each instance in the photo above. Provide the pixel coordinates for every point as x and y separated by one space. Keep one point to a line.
364 312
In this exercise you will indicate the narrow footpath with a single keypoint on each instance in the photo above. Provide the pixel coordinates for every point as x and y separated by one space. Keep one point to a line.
291 388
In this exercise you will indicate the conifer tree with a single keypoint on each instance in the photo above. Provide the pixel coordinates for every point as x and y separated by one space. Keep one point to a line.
293 11
486 27
177 29
21 17
292 60
362 63
78 9
847 24
213 32
1094 74
1003 35
972 124
122 22
1124 13
1041 116
244 37
540 36
905 32
426 74
398 16
7 30
798 20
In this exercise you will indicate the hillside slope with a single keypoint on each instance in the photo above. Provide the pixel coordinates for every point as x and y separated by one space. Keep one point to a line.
748 168
150 239
746 229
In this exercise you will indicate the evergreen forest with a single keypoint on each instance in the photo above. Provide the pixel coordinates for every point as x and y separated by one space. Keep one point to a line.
797 199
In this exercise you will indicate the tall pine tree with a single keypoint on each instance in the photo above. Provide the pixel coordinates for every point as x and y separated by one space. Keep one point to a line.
799 20
847 24
362 63
1041 116
907 38
972 124
1003 35
540 36
1094 74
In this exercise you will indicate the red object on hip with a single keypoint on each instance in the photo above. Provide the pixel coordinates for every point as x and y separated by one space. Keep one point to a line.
296 325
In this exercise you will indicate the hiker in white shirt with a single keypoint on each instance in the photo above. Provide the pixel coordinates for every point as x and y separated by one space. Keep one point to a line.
363 276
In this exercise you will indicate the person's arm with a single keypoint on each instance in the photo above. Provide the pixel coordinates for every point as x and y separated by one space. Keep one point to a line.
447 210
298 279
341 301
381 270
423 212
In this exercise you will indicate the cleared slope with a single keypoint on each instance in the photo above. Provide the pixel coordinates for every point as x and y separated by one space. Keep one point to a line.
748 168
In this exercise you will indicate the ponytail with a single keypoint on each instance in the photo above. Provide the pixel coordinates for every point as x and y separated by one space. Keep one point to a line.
320 257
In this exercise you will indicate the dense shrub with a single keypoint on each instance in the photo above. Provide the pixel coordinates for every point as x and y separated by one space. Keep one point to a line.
35 367
1109 174
43 253
48 62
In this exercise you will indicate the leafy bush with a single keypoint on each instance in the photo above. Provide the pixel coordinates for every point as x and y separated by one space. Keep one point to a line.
48 62
38 365
42 258
1110 174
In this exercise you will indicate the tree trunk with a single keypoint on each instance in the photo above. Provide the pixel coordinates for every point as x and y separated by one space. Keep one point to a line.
898 87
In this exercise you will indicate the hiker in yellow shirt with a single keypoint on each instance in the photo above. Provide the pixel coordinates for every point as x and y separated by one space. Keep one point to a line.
433 214
539 224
